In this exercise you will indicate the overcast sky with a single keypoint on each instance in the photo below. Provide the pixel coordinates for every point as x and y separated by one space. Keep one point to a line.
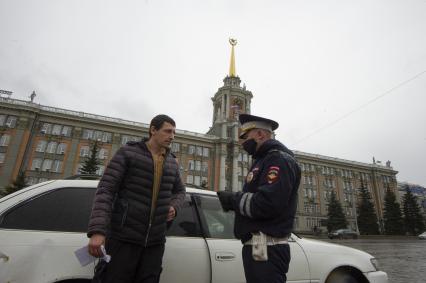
344 79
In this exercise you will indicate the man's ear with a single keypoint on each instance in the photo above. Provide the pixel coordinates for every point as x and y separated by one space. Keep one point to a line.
152 130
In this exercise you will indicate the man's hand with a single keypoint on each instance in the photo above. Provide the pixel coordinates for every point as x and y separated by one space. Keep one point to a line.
226 200
95 243
172 214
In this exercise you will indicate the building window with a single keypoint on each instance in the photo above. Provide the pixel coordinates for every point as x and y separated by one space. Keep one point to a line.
204 166
62 147
347 173
308 180
46 129
66 131
100 170
47 165
197 165
84 151
191 149
87 134
364 177
175 147
125 139
2 157
347 186
56 130
4 140
2 120
103 153
189 179
206 152
11 122
191 165
199 151
311 193
36 164
327 170
57 166
41 146
329 183
197 180
51 147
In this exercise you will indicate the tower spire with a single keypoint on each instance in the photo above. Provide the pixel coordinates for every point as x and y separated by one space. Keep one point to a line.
232 72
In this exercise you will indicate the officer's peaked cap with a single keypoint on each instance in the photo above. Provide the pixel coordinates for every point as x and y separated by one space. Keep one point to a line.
249 122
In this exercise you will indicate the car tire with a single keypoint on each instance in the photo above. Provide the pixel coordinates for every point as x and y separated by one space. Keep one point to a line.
341 277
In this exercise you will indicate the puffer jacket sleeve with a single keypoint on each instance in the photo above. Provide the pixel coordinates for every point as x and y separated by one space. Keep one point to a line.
108 186
178 192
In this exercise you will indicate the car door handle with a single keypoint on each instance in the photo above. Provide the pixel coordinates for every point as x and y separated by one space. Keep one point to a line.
225 256
4 257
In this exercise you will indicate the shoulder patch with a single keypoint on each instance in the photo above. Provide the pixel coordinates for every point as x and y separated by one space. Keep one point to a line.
273 174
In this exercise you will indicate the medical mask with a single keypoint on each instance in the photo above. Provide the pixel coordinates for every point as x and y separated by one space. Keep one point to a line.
250 146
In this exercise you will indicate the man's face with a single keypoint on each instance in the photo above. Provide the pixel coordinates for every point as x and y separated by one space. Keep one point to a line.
164 136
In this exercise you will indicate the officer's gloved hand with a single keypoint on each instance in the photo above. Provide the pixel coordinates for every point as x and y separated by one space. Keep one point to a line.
226 199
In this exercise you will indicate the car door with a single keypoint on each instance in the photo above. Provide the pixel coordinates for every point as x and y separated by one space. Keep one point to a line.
186 257
38 237
225 250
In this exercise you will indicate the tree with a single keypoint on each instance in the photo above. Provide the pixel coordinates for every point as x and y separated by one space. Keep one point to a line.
91 165
392 216
367 217
336 217
18 184
413 219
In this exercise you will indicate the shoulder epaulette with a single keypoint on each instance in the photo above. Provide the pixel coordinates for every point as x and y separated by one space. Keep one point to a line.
131 142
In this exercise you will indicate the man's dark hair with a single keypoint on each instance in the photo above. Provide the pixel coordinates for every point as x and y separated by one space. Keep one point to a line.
158 121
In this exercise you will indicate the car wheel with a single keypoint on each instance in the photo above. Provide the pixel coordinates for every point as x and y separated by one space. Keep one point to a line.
341 277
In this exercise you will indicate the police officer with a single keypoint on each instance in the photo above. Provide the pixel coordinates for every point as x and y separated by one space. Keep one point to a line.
265 209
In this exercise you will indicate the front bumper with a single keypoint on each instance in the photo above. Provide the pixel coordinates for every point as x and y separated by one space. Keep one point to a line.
377 277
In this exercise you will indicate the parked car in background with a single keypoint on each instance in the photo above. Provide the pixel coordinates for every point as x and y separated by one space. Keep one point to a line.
422 236
41 226
343 234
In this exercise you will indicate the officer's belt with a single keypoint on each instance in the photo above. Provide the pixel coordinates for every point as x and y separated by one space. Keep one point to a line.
270 241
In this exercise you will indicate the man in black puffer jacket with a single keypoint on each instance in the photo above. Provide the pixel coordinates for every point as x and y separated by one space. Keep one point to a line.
140 191
265 209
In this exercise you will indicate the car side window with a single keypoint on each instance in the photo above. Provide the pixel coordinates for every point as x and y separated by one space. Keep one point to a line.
218 223
185 224
65 209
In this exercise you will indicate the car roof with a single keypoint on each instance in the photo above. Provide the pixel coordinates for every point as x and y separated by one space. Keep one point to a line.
53 184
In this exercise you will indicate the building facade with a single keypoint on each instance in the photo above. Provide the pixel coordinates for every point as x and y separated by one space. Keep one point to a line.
52 143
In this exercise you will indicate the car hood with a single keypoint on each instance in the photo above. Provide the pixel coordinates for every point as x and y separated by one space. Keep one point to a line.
328 256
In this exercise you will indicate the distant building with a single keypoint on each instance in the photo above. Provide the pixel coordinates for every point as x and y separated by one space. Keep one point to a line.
51 143
418 191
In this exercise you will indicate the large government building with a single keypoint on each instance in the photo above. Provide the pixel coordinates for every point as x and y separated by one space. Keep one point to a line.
52 143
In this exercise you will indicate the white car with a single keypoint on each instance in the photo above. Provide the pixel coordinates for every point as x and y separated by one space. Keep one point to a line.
422 236
41 226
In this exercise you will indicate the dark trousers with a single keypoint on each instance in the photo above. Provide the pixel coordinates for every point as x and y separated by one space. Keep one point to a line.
131 263
271 271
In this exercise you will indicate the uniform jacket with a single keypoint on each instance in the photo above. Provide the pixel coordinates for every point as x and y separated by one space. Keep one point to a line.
122 203
269 197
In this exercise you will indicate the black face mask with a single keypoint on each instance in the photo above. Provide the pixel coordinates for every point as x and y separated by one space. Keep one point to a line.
250 146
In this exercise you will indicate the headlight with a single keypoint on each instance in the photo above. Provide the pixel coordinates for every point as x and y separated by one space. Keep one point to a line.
375 263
